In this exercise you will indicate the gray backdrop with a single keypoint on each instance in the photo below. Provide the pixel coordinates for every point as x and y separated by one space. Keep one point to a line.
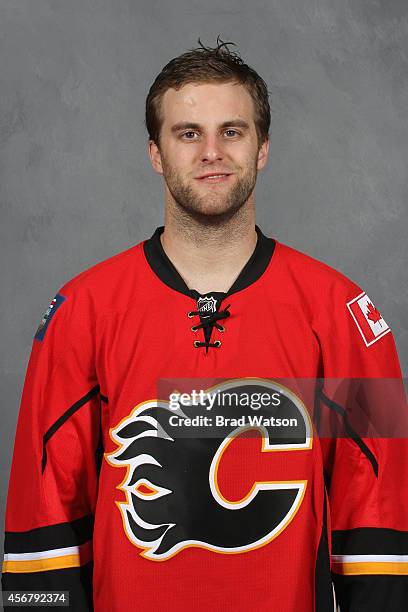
76 185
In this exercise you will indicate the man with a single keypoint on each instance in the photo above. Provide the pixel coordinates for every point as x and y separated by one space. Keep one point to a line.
188 519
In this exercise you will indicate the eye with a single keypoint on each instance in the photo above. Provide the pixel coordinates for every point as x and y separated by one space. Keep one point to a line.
231 133
186 133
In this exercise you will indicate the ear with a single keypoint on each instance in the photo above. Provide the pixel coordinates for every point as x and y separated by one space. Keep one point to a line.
155 156
263 154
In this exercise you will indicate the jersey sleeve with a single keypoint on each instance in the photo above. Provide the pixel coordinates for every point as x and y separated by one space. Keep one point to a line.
54 473
366 457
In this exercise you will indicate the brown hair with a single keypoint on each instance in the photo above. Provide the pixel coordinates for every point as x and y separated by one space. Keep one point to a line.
203 65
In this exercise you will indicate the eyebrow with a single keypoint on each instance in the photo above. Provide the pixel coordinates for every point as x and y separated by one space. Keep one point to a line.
184 125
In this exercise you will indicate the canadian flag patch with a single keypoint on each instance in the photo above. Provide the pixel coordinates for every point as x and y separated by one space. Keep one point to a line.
368 319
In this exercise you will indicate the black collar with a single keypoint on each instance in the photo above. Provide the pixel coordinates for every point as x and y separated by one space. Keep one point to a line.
168 274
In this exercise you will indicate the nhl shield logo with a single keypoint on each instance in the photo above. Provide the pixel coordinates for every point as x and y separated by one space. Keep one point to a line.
206 306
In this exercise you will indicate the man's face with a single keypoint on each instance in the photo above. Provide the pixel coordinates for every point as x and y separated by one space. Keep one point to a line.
208 129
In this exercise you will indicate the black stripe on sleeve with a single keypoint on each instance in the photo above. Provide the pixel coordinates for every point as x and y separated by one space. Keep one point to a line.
350 431
76 580
64 417
370 541
371 593
60 535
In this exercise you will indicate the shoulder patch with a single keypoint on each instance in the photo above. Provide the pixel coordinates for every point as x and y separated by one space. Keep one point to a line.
368 319
49 313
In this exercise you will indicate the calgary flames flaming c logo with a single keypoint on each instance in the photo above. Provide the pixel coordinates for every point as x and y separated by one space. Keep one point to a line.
172 483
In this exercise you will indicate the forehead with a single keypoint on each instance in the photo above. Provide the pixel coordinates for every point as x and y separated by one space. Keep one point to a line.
206 102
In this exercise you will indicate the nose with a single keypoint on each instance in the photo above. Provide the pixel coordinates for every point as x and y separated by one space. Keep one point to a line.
211 149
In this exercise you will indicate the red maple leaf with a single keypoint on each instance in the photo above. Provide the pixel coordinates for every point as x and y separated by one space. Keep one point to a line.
372 313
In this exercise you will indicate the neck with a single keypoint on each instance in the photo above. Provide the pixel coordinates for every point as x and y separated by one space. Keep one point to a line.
209 256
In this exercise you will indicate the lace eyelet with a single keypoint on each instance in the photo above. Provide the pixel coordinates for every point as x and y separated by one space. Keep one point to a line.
217 343
190 314
194 328
221 329
196 343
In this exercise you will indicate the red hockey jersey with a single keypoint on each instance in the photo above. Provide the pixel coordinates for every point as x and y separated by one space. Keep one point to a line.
107 503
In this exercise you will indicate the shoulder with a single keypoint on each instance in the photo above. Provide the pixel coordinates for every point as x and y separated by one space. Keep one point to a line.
313 277
105 276
338 307
105 286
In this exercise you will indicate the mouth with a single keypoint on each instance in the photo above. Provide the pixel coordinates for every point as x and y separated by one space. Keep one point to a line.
214 178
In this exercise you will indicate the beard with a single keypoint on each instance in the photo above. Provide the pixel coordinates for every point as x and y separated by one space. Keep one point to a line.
216 206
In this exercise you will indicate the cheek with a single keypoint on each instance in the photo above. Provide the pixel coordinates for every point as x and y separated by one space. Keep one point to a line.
176 167
179 157
243 154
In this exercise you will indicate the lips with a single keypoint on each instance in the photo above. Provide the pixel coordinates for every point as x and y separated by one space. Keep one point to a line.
213 174
214 177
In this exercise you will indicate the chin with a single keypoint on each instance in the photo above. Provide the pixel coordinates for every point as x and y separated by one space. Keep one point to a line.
214 211
213 215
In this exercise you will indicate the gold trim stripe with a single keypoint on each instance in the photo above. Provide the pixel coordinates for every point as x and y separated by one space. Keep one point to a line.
370 568
51 563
